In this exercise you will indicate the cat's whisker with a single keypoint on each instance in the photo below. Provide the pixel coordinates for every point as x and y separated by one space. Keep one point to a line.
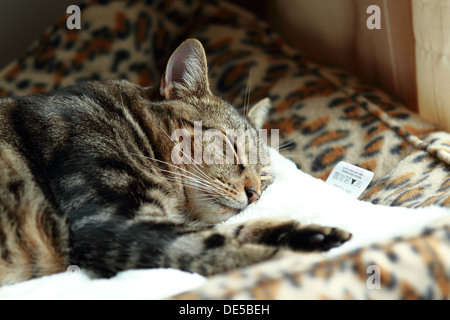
280 148
206 191
220 183
204 197
217 181
284 145
169 164
193 185
292 155
205 183
199 171
247 94
191 178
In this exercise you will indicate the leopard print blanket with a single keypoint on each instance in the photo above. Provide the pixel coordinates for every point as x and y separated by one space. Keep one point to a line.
324 116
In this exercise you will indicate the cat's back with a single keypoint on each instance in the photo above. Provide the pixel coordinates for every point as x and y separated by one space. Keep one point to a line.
33 238
79 152
37 134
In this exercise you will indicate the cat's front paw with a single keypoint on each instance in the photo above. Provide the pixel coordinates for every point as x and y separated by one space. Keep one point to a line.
323 238
317 238
291 235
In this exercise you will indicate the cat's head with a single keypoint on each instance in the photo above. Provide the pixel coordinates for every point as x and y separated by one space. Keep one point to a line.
229 168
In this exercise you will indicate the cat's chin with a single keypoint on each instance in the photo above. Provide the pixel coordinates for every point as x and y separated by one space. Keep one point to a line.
215 213
231 210
217 210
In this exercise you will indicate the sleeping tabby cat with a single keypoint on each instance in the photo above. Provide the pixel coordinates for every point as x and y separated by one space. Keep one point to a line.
86 179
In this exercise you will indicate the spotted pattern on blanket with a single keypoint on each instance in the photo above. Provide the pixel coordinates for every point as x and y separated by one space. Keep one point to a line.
324 115
385 270
421 179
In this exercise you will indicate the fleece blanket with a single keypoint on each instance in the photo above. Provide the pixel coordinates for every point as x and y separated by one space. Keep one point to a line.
294 194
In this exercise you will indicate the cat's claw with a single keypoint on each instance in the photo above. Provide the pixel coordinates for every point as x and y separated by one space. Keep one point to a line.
327 238
316 238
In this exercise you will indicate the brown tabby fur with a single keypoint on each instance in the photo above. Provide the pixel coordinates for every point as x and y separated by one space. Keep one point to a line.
86 178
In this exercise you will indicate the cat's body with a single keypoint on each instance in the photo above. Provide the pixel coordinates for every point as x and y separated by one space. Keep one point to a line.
87 179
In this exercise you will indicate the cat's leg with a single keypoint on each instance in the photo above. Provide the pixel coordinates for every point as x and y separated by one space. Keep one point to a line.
116 245
290 234
225 247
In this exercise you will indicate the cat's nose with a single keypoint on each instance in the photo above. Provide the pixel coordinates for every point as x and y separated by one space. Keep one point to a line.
252 195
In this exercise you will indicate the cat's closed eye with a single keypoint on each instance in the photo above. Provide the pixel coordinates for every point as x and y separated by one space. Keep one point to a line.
266 173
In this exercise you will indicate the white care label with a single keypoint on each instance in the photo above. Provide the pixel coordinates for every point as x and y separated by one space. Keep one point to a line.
352 179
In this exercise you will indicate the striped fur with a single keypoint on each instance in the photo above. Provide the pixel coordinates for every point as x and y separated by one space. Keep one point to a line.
87 179
33 238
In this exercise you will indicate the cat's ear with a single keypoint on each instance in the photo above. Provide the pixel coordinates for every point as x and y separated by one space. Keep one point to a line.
257 114
186 72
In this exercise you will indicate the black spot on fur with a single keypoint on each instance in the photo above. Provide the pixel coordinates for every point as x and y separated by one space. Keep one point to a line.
15 187
214 241
4 252
237 232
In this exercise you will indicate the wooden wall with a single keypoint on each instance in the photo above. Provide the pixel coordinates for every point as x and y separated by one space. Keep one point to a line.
335 32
